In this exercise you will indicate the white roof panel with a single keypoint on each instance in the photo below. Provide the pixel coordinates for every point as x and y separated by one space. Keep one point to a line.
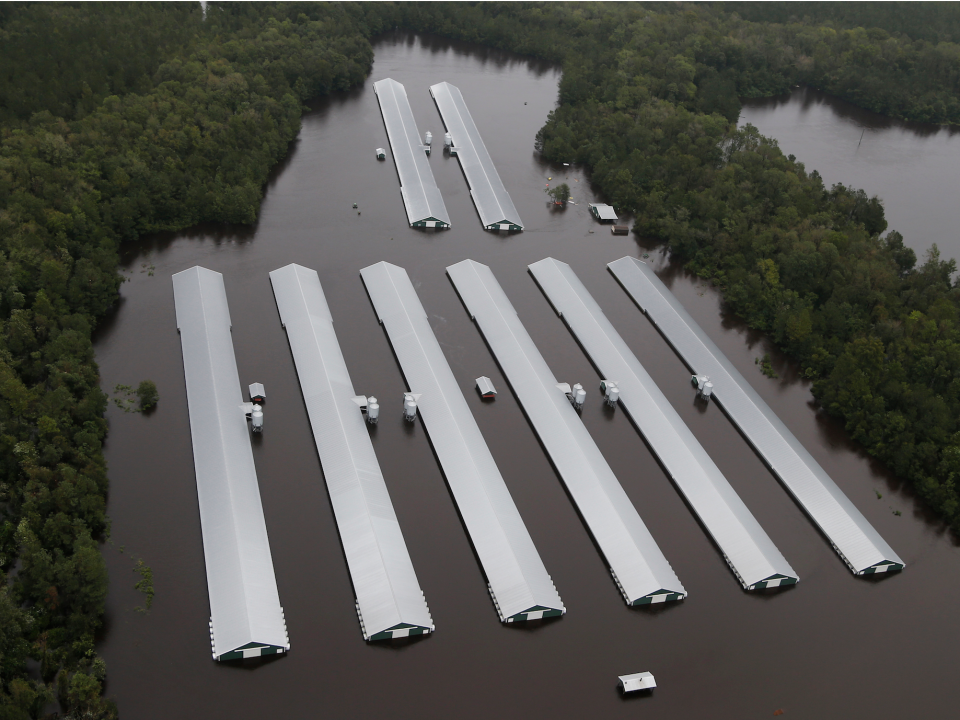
489 195
603 211
642 572
518 581
855 539
389 598
244 603
637 681
421 196
748 549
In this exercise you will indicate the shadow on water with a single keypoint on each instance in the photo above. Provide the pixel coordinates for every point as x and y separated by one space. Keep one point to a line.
654 609
632 697
399 644
159 243
811 97
532 626
484 55
768 594
254 664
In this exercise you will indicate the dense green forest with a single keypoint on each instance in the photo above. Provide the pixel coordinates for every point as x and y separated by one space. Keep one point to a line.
135 118
931 21
153 116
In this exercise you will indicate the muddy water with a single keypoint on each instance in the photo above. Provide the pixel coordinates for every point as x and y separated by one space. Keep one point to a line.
834 646
913 168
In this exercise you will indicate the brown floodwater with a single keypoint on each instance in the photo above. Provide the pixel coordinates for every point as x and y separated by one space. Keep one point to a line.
914 168
834 646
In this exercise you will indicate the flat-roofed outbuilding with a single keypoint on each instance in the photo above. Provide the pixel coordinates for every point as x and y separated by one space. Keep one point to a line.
421 196
493 202
603 212
246 619
390 603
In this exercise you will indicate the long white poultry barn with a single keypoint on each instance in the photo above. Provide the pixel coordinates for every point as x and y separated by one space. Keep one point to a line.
517 581
751 554
246 619
636 562
389 600
421 196
849 532
491 198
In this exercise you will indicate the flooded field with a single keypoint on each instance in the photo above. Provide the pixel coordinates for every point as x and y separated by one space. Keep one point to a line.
833 646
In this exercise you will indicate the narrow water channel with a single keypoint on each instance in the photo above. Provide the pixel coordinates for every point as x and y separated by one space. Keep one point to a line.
833 646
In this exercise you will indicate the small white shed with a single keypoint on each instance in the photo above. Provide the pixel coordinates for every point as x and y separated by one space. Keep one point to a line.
603 212
486 387
637 682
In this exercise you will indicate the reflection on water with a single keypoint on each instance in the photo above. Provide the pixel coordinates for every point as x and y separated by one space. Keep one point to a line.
914 168
826 648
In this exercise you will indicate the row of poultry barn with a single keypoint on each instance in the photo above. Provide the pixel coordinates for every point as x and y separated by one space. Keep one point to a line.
421 196
247 618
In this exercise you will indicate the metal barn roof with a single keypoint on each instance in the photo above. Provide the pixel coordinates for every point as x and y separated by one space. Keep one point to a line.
518 582
637 681
485 386
245 613
493 202
641 571
603 212
855 539
389 599
747 548
421 196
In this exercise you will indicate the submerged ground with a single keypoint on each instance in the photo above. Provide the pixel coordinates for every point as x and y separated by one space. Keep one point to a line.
829 647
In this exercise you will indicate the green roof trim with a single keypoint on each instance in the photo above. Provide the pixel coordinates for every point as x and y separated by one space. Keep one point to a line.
773 581
251 650
884 566
537 612
660 596
400 630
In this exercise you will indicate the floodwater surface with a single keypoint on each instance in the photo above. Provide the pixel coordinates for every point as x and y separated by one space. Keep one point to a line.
835 646
914 168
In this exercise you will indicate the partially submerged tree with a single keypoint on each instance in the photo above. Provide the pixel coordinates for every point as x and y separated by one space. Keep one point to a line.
560 194
147 394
